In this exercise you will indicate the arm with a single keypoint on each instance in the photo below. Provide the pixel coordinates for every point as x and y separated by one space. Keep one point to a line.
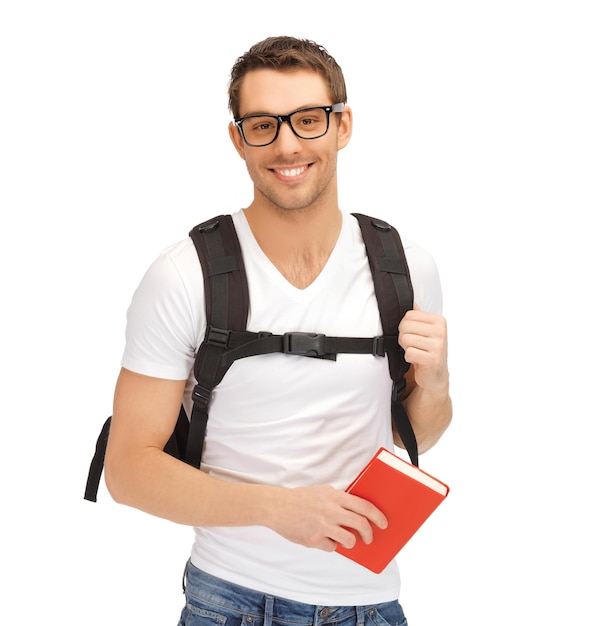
423 336
140 474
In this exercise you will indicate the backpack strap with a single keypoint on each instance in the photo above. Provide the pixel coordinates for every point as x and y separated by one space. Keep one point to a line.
176 447
395 296
226 308
96 467
243 344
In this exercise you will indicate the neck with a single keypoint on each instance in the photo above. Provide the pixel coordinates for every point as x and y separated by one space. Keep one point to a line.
298 242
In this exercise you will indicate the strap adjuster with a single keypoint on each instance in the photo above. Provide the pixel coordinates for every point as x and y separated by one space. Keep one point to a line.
201 395
378 348
217 336
304 344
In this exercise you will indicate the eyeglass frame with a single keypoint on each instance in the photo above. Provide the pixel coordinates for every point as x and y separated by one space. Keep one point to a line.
334 108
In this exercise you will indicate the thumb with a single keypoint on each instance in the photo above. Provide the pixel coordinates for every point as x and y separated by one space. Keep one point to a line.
416 307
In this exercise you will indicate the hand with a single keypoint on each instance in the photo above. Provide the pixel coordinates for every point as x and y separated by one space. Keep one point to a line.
322 517
424 338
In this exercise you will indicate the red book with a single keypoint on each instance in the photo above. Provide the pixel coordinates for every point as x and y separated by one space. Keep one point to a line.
405 494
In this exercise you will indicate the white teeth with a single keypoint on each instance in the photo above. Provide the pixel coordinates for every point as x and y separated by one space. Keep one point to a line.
296 171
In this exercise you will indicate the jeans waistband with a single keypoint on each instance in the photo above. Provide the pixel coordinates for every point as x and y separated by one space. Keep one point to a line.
237 599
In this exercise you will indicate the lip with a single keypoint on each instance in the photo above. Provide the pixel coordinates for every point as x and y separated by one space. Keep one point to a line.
291 173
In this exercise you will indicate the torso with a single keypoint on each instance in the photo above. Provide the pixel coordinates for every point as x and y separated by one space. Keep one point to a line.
277 418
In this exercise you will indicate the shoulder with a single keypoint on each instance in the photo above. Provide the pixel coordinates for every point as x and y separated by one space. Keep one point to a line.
419 259
165 315
423 273
178 267
425 277
176 270
171 288
177 259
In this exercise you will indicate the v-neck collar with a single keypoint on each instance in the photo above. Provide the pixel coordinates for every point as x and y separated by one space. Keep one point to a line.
262 261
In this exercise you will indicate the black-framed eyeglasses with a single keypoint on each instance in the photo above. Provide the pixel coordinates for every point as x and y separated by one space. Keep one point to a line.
309 123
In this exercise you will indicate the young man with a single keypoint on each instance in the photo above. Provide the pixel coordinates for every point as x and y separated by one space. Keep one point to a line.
286 434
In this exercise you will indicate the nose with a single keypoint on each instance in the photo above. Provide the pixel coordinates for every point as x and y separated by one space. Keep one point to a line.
287 140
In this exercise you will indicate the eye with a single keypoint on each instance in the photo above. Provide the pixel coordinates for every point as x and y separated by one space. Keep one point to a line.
261 124
309 118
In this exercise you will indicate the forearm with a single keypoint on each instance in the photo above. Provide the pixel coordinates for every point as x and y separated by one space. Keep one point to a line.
318 516
430 414
163 486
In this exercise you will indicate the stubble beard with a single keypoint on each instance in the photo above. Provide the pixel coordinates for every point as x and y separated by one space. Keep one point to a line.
293 199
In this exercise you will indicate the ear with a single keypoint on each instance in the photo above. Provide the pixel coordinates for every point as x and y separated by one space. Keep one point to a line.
345 129
237 140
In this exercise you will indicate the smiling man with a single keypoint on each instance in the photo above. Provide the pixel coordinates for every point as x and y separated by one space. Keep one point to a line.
289 173
286 434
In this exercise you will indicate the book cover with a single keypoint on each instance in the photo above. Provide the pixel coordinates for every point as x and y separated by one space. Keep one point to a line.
405 494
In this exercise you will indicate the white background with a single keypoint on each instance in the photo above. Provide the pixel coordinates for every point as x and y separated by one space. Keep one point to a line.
480 131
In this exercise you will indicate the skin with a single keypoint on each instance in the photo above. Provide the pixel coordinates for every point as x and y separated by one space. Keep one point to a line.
296 221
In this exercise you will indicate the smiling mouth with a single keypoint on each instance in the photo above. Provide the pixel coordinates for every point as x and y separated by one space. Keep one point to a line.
291 172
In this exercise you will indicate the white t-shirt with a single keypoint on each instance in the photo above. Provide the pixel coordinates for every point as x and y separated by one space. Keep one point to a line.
281 419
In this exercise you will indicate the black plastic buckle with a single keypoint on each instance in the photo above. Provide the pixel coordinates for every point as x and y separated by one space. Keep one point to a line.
378 346
201 395
217 336
304 344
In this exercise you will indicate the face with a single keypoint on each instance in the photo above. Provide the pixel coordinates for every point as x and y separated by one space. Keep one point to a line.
291 173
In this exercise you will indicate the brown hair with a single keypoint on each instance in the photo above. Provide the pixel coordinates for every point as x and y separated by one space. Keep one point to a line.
284 54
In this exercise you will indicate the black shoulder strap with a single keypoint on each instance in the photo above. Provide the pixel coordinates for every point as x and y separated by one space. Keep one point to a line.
226 308
227 304
395 297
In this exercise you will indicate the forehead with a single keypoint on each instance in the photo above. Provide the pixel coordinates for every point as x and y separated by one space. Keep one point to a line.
273 91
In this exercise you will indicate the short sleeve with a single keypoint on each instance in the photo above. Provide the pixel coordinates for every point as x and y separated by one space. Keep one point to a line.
425 278
164 317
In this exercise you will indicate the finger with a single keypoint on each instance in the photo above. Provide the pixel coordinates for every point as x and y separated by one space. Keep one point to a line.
411 331
361 515
419 332
422 342
414 318
427 348
410 342
362 528
415 356
327 545
423 316
346 537
349 533
369 511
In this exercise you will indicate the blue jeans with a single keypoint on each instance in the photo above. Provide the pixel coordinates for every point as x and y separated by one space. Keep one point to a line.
211 601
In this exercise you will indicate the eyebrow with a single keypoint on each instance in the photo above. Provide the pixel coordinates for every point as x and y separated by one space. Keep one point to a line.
304 106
